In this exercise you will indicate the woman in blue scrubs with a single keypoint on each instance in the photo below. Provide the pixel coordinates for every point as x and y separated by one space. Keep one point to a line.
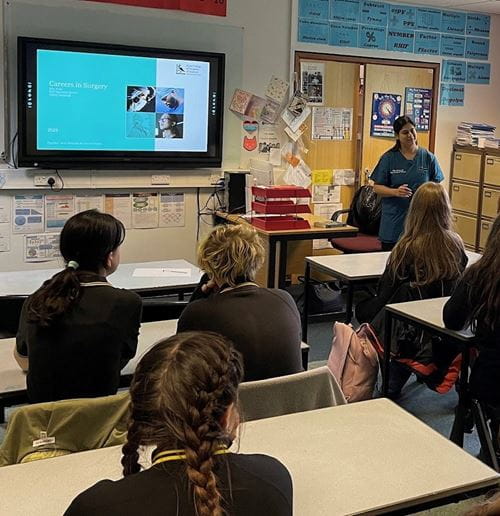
398 174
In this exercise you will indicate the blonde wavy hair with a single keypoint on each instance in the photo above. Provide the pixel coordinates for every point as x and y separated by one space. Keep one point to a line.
429 244
231 254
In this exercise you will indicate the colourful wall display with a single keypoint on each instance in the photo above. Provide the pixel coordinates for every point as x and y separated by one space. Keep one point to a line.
386 107
418 104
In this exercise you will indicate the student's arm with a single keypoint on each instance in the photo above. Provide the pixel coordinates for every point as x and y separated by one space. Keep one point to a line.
21 360
132 323
21 348
457 310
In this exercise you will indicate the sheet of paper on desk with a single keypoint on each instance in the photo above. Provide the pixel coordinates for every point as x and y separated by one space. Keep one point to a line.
161 273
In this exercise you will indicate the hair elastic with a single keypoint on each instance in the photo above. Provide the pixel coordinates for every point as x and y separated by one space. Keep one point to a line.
73 265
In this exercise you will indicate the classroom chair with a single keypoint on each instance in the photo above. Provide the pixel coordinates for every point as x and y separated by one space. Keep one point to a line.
45 430
299 392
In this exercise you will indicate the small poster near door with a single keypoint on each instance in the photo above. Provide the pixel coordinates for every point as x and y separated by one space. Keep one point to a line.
418 103
386 107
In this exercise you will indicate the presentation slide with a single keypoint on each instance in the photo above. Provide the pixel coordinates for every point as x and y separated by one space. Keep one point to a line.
104 102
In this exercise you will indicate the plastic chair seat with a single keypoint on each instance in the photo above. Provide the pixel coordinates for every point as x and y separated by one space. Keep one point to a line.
359 244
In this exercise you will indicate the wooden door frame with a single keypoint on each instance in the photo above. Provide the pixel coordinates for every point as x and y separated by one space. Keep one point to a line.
436 67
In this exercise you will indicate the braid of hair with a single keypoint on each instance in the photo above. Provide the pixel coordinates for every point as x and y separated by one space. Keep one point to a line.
130 454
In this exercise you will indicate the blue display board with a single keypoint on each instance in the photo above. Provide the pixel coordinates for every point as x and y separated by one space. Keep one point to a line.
402 17
400 40
452 95
314 9
418 104
453 71
453 22
344 10
428 19
477 48
374 13
386 107
311 31
452 46
478 25
478 73
343 34
427 43
372 37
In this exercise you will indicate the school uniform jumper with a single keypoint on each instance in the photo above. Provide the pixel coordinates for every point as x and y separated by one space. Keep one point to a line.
81 355
394 170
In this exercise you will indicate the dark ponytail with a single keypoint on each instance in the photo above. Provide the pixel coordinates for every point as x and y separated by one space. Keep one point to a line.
398 124
180 392
86 240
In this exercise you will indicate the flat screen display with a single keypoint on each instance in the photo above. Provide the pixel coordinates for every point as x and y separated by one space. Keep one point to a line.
93 104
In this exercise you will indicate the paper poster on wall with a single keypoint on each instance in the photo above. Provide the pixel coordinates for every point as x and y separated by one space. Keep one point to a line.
144 210
452 46
268 139
88 202
371 36
452 95
418 103
58 209
5 209
4 238
120 206
323 176
402 17
428 19
386 107
331 123
400 40
314 9
344 176
478 25
325 193
312 79
247 104
312 31
28 214
477 48
478 73
41 248
427 43
453 22
343 34
172 210
277 89
344 10
453 71
374 13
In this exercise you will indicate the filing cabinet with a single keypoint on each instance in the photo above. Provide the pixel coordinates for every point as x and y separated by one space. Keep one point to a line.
492 170
484 231
464 197
466 166
466 227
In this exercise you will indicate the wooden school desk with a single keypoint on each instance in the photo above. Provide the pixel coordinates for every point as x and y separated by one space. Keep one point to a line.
353 269
370 457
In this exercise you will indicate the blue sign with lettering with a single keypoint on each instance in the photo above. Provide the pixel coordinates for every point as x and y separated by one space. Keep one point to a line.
314 9
453 71
372 37
402 17
453 22
343 34
374 13
344 10
478 25
400 40
478 73
452 95
428 19
427 43
477 48
453 46
313 31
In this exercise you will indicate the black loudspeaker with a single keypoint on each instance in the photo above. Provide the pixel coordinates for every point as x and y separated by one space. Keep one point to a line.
235 191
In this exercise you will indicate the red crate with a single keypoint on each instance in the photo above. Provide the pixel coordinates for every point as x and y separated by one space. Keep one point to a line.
280 207
280 191
280 223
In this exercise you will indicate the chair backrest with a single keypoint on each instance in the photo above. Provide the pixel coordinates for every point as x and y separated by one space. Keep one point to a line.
56 428
365 211
299 392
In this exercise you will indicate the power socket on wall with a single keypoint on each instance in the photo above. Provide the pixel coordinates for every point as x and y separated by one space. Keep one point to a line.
41 180
160 179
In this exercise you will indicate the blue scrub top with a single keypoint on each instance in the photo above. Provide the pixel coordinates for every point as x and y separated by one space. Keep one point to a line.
394 170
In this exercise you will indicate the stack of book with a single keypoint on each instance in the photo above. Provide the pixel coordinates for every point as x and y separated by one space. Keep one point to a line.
492 143
474 133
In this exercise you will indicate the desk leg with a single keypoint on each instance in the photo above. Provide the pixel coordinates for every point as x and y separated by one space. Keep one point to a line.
387 353
464 402
305 309
282 264
349 302
271 263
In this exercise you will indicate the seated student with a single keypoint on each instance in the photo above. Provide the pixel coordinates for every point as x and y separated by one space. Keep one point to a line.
76 332
426 262
184 398
263 323
476 302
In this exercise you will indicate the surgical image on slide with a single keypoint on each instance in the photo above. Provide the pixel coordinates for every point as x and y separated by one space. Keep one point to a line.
141 99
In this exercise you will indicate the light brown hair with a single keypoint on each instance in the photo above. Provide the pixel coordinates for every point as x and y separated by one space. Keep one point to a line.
231 254
429 246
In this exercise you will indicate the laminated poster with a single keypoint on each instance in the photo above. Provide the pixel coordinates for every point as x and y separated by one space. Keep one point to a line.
28 214
172 210
452 95
314 9
427 43
374 13
144 210
453 71
386 107
478 73
42 247
418 103
312 80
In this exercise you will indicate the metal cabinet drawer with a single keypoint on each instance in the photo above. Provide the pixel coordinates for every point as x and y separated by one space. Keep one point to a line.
464 197
466 166
466 227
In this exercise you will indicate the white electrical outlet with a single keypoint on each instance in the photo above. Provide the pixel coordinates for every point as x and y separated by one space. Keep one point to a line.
41 180
160 179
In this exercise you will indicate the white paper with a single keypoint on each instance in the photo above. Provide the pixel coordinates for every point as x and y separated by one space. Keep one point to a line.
293 135
41 248
4 238
325 193
321 243
262 172
326 210
89 202
275 157
161 273
268 140
294 122
28 214
5 208
277 89
172 210
58 209
312 80
297 176
344 176
331 123
144 210
120 206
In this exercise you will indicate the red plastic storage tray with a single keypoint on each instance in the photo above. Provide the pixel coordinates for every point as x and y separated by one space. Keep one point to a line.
282 207
280 223
280 191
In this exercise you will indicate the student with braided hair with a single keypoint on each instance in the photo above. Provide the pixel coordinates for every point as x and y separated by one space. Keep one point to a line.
184 398
76 332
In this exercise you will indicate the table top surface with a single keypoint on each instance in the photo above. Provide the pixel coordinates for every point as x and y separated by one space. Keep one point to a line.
360 266
181 274
430 313
366 458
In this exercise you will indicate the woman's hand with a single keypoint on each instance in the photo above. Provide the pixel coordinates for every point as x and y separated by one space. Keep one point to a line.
403 191
208 287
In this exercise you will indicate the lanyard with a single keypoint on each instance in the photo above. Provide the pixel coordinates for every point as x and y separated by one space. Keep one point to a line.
169 455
